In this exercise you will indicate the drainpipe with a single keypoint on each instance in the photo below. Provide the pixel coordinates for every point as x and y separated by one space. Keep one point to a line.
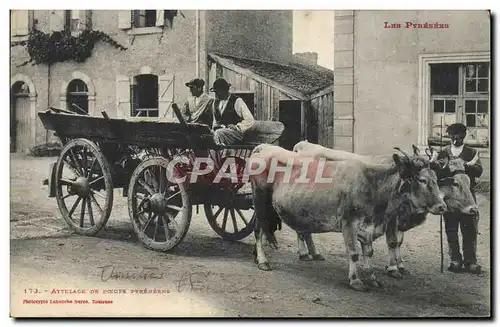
48 99
197 42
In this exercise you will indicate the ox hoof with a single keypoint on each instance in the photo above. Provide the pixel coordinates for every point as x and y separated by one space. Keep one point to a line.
264 266
404 271
394 274
305 257
358 285
374 283
318 257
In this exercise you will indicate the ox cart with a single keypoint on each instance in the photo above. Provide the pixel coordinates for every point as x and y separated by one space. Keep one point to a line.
101 154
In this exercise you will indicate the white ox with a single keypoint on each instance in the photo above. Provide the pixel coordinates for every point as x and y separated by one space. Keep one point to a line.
455 190
361 198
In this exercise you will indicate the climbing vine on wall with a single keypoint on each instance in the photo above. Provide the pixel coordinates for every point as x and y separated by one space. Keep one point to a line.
61 46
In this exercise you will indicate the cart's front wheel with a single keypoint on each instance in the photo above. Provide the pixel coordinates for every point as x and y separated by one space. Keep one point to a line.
231 224
84 187
158 205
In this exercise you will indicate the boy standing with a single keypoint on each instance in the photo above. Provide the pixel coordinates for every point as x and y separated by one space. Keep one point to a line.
468 223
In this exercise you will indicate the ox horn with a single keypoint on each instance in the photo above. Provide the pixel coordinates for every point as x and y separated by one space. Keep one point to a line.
406 155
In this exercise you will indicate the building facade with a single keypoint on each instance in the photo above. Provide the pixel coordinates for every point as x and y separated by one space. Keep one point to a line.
165 49
399 74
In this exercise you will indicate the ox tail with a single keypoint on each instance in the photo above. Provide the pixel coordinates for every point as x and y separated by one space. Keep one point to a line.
267 220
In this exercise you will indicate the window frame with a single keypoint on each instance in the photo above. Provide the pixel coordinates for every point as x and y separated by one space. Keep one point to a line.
157 28
135 111
424 97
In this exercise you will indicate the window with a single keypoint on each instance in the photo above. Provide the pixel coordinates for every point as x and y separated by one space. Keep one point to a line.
141 21
460 93
144 96
77 20
143 18
77 96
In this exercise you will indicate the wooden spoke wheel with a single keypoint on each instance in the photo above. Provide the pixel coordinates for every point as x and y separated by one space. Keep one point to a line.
231 224
159 207
84 187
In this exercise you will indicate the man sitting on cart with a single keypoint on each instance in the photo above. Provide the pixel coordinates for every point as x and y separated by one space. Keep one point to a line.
198 108
231 116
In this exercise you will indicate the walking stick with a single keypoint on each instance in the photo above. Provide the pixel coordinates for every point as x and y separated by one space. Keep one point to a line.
441 216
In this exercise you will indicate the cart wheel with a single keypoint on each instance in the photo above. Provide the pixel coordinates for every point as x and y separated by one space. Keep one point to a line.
159 208
242 221
83 181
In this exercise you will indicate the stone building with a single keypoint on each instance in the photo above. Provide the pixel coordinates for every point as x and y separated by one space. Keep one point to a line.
398 74
165 49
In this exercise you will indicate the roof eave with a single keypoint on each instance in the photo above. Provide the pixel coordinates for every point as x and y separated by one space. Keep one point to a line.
228 63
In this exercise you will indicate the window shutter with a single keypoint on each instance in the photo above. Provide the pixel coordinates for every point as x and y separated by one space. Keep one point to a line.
124 19
159 18
57 20
13 21
165 95
87 19
122 96
22 22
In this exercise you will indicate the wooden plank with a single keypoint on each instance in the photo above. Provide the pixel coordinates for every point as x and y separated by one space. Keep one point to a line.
258 99
317 102
229 64
265 102
276 104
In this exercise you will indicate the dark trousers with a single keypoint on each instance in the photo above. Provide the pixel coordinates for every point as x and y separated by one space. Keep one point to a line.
468 226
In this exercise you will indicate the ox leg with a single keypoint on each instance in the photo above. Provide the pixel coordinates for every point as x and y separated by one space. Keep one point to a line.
259 198
399 259
392 244
302 249
367 249
349 231
259 254
312 248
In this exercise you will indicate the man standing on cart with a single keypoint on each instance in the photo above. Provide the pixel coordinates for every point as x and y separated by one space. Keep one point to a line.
232 118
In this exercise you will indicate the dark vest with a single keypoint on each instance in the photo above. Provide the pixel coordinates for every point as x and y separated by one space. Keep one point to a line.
229 116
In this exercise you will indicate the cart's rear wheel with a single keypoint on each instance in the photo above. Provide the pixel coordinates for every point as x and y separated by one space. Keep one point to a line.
231 224
159 208
83 184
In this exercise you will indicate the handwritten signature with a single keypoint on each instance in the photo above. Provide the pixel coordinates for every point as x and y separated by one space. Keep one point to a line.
210 282
203 281
110 272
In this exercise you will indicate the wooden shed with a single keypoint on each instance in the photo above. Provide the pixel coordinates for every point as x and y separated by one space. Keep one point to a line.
300 96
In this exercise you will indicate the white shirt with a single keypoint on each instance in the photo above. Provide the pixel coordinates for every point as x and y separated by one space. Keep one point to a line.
456 150
241 110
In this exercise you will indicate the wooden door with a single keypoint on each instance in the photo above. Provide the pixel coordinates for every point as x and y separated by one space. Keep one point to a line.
22 123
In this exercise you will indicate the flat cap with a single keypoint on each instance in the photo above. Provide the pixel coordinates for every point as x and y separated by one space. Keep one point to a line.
457 128
196 82
220 83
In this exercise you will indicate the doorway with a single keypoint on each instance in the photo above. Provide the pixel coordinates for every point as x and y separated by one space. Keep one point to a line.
20 121
290 114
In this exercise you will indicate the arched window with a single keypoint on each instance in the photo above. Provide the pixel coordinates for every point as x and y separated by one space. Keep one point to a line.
77 96
20 89
144 96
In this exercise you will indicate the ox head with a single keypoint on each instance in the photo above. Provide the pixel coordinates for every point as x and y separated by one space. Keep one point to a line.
453 182
455 186
419 187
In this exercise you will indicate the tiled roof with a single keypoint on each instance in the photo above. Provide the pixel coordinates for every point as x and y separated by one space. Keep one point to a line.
304 78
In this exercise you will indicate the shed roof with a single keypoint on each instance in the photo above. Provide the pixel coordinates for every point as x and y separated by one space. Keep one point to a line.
306 79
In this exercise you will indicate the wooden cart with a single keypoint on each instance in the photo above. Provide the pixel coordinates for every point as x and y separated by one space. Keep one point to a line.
100 154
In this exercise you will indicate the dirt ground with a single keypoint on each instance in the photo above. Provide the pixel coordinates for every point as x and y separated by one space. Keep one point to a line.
207 276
